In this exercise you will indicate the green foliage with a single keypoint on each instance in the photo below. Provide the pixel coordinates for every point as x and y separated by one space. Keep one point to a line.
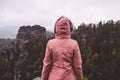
84 78
100 49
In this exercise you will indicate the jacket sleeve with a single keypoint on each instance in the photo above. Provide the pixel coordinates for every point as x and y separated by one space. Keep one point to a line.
47 62
77 62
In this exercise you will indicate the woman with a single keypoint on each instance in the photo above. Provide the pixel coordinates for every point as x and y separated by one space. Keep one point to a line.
62 58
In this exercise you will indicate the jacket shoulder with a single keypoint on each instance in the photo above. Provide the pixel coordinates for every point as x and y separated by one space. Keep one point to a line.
51 41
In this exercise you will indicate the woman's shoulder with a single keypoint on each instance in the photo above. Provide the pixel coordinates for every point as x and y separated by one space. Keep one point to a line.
51 41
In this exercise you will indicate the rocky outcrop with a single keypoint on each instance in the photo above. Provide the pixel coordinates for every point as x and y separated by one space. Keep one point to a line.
29 40
22 57
30 32
27 33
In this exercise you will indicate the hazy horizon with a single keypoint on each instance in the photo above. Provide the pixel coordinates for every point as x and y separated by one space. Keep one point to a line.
16 13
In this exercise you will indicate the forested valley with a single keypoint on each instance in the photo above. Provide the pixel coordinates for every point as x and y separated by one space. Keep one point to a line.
22 58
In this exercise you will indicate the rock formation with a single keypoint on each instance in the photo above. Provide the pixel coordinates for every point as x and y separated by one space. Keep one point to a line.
27 50
21 58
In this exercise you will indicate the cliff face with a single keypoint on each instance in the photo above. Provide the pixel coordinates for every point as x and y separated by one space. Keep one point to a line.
21 58
29 41
28 33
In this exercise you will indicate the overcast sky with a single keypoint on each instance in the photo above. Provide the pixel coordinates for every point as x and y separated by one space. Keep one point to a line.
15 13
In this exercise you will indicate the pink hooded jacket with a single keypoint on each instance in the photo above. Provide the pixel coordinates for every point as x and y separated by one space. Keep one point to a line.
62 59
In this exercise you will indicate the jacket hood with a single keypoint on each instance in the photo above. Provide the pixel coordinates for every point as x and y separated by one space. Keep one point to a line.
63 28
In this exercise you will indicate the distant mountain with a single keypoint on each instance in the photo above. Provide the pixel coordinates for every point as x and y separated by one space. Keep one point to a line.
8 32
49 34
7 35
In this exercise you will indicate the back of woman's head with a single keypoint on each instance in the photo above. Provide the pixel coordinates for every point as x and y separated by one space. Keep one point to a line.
70 23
